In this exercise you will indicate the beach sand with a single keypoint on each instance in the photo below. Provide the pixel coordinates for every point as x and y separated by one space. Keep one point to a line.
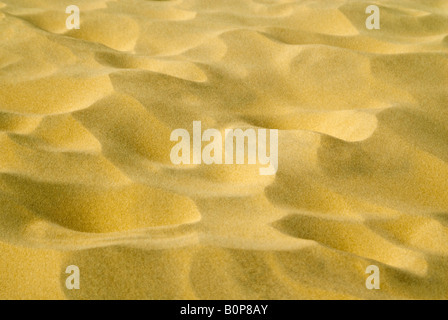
86 177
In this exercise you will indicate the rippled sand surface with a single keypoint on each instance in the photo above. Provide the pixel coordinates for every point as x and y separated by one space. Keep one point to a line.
85 171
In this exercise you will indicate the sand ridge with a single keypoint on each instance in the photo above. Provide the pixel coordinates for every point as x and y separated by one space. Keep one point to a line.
85 171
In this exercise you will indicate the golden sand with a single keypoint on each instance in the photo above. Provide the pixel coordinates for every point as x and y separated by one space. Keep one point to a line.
85 171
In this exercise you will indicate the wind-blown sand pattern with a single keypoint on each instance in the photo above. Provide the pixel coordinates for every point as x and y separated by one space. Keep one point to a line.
85 171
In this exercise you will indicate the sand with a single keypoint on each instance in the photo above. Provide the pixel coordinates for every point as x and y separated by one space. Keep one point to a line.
85 171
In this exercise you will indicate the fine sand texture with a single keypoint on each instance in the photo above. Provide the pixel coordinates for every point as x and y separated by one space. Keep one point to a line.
86 177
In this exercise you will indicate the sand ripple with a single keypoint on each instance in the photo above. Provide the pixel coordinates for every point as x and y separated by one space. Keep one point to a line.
86 178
